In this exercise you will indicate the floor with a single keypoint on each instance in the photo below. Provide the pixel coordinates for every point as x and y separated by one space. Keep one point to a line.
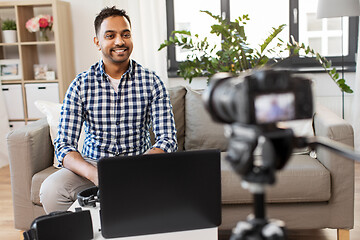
8 232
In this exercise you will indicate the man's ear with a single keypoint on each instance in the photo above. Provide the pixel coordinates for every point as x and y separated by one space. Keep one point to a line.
96 41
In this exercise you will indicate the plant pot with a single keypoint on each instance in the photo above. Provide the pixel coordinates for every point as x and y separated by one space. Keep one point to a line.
9 36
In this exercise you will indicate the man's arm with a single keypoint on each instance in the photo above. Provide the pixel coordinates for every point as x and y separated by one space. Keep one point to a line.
162 118
76 163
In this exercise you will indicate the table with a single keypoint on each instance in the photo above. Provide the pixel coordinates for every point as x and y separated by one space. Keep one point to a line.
201 234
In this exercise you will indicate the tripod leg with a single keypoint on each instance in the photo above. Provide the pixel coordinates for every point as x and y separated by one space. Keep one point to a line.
259 205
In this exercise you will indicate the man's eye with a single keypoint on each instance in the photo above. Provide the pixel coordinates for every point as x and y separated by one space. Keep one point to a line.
109 35
126 35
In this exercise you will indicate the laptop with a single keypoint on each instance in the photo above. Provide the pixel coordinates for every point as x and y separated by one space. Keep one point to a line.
159 193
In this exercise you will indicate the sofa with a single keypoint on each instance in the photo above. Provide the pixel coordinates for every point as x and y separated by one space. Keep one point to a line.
310 192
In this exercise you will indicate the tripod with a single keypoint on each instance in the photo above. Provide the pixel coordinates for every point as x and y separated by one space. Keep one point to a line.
258 226
256 174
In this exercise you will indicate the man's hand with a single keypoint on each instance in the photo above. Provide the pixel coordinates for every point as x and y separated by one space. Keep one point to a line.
76 163
154 150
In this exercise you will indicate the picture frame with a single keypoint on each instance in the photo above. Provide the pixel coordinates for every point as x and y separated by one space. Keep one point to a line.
40 71
10 69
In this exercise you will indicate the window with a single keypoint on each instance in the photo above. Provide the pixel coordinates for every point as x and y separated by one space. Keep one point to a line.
323 35
261 19
193 20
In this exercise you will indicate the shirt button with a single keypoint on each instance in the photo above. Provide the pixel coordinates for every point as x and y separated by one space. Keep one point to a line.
117 153
118 122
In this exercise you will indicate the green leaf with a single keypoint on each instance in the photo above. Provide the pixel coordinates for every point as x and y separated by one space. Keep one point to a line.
270 38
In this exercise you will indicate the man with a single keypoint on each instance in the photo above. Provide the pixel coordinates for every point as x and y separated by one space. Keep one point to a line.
117 100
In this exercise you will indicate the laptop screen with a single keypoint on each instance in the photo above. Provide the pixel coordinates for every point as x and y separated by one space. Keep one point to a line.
159 193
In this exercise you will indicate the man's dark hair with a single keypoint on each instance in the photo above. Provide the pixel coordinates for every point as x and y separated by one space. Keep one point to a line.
109 12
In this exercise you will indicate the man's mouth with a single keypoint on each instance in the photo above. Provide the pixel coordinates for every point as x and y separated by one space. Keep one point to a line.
118 50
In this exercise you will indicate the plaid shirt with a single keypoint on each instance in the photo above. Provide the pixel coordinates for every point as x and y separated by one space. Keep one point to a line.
116 123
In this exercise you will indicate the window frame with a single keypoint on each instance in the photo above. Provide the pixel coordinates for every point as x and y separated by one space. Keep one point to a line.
295 63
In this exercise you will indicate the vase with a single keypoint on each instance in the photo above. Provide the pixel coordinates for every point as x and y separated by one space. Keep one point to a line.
43 36
9 36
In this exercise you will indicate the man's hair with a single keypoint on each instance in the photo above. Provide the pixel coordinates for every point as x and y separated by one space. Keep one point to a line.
109 12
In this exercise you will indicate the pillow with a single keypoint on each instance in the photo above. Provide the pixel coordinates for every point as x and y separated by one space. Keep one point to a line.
177 99
201 131
52 112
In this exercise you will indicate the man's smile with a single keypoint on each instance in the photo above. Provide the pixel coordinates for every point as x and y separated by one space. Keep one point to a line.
119 50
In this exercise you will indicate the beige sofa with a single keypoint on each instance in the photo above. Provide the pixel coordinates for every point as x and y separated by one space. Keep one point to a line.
309 194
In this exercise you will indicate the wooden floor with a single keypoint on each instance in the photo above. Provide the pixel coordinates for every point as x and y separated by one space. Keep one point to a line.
7 231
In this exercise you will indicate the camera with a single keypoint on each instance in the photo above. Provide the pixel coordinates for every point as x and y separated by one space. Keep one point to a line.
261 98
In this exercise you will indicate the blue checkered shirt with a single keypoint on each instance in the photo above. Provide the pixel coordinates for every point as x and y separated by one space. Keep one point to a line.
115 123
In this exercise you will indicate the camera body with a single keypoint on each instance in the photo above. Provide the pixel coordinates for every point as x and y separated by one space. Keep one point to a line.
261 98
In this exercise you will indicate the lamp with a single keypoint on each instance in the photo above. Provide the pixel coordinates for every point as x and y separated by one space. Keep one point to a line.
337 8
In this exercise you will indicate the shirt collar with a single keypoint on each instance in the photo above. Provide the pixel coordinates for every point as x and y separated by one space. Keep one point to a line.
130 69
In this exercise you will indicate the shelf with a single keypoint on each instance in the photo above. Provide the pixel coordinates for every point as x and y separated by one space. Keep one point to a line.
37 43
11 82
9 44
57 54
41 81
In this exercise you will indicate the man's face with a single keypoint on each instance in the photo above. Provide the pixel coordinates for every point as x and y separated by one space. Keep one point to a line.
114 40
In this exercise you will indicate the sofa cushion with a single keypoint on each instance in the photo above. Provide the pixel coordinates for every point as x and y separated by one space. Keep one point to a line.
201 132
36 182
52 112
177 99
303 179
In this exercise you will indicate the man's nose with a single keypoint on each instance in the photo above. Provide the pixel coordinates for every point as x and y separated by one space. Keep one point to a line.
119 40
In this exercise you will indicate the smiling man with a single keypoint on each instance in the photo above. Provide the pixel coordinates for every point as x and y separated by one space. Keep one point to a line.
116 101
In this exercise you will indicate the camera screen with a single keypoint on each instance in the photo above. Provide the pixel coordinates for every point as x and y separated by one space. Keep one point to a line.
274 107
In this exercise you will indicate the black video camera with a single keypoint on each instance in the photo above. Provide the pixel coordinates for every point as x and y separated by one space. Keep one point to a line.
261 98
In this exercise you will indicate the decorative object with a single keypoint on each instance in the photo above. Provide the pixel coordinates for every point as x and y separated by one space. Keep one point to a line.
50 75
10 69
40 71
9 31
41 23
236 55
334 8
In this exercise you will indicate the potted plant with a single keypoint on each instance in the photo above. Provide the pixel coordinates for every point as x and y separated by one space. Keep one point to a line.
9 31
236 55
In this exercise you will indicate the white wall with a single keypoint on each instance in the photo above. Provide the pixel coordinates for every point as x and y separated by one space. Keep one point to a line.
83 13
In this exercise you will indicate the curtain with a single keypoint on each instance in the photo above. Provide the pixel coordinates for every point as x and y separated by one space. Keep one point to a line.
356 103
4 129
148 21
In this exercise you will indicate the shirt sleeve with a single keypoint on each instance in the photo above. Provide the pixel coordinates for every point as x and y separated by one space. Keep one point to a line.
163 118
70 124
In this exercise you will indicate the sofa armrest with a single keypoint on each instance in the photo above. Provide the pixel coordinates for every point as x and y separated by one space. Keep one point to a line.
327 124
30 151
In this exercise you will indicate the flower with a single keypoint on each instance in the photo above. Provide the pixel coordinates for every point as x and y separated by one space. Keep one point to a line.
39 23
